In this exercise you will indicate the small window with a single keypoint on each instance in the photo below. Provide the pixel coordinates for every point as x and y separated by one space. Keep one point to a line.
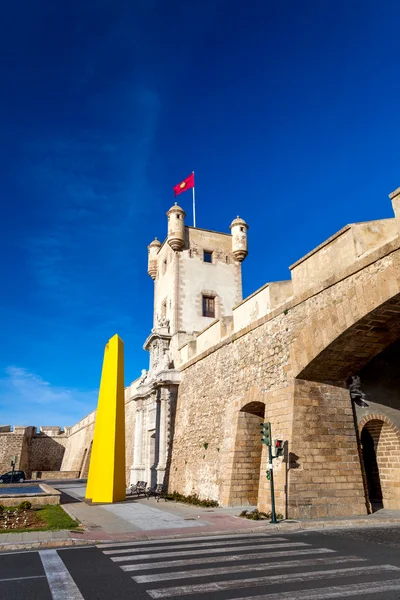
164 309
209 307
242 229
207 256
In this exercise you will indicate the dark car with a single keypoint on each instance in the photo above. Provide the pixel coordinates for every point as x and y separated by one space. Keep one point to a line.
10 477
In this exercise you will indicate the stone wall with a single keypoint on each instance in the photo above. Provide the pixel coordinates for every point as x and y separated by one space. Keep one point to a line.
295 360
78 448
34 451
13 444
46 452
55 474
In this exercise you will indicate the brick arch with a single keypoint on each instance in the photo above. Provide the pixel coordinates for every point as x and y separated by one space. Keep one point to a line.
255 408
379 417
385 470
341 350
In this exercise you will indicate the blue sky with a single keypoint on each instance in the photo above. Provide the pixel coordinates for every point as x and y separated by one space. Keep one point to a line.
287 111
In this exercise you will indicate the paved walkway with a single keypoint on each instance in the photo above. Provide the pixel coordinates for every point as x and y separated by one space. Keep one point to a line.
138 519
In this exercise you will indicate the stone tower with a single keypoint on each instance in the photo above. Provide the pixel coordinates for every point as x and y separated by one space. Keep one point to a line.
197 279
197 276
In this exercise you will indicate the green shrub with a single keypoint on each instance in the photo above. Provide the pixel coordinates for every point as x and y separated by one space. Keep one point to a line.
25 505
257 515
192 499
1 508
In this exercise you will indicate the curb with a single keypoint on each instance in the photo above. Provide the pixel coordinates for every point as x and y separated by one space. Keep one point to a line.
289 526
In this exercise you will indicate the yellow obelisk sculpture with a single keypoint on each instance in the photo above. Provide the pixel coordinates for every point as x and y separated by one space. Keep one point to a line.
106 480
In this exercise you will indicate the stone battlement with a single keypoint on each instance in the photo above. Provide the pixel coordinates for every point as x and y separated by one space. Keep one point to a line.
29 430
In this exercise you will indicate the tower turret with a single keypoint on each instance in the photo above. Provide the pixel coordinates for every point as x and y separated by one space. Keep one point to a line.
153 249
239 229
176 227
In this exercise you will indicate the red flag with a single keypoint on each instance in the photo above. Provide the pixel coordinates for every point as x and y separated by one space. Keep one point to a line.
184 185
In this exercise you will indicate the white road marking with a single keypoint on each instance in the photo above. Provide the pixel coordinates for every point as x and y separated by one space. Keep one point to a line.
270 579
213 551
311 562
193 539
202 561
19 578
235 543
337 591
61 584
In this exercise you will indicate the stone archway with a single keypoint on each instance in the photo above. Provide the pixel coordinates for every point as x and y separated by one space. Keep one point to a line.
86 462
380 444
245 478
83 462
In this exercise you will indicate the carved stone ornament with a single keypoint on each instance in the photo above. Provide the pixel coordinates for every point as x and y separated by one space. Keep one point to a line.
159 355
143 376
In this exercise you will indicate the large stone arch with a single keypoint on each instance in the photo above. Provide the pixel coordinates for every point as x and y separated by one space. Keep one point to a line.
346 353
331 479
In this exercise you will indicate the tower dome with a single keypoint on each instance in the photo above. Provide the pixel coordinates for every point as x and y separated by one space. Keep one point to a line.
153 249
239 229
176 227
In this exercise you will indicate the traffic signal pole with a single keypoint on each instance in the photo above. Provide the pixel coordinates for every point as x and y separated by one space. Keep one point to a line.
271 481
266 438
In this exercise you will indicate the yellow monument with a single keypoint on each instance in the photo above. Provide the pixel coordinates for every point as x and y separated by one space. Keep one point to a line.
106 480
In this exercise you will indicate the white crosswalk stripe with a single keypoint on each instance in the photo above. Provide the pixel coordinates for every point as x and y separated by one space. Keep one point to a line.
336 591
217 565
201 544
202 588
243 569
204 561
216 550
199 539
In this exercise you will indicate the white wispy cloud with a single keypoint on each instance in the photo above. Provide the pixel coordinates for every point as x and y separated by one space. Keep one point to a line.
26 397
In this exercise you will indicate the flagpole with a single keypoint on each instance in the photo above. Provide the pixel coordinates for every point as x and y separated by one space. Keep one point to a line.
194 205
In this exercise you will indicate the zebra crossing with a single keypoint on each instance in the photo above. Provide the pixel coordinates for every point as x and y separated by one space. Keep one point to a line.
255 566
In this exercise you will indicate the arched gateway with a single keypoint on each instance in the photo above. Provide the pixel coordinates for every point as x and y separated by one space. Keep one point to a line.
380 445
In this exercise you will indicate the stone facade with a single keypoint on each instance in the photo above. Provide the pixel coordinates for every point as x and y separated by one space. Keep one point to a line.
317 356
42 450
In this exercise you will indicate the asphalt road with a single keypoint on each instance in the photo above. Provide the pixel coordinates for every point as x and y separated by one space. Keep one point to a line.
362 563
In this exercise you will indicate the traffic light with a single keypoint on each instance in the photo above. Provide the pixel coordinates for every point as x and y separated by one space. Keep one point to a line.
278 448
265 433
269 474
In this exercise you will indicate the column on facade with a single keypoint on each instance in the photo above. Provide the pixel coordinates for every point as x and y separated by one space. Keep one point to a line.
162 435
138 441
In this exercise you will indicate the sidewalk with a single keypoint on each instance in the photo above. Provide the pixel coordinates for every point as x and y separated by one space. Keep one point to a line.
143 519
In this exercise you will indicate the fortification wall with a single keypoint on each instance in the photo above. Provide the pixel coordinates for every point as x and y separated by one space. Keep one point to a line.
79 445
13 444
34 450
47 449
261 362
